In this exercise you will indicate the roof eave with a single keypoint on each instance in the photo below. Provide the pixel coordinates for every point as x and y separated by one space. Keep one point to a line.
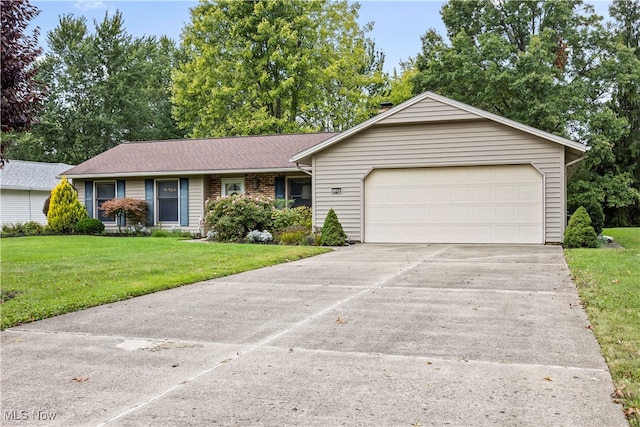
179 173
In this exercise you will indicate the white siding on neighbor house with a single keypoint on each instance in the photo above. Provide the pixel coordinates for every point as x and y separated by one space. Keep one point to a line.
22 206
428 110
476 143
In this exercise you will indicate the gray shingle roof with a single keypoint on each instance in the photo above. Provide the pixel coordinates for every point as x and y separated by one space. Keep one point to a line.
210 155
23 175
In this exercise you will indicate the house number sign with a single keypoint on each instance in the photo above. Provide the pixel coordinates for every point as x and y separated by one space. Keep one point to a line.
336 190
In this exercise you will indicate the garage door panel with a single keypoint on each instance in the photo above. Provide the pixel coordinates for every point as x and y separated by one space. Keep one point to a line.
479 204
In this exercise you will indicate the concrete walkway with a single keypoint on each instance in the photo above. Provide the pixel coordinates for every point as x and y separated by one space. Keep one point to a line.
383 335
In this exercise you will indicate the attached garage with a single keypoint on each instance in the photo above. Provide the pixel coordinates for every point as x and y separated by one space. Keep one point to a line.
434 170
473 204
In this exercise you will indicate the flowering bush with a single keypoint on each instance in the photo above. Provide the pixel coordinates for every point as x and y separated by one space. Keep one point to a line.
257 236
233 217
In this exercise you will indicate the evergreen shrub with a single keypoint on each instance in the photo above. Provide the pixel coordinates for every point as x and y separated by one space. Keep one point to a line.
332 233
65 210
579 232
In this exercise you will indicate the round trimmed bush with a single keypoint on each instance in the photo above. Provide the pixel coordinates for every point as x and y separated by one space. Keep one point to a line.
593 208
579 232
89 226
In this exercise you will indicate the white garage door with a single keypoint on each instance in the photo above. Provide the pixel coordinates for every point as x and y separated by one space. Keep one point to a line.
479 204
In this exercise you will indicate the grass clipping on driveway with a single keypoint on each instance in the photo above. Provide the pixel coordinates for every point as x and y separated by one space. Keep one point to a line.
50 275
609 284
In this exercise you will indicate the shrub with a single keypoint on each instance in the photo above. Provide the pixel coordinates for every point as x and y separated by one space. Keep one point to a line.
32 228
160 233
134 209
233 217
289 217
65 210
296 235
579 232
593 207
257 236
139 230
89 226
332 233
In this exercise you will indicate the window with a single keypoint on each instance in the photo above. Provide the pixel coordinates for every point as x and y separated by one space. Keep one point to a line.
299 190
232 186
167 200
104 191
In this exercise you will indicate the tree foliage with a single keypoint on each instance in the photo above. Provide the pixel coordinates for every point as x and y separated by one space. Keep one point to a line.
65 210
106 87
21 93
550 64
274 66
134 209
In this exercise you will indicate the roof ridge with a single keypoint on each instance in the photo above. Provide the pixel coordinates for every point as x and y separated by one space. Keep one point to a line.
218 138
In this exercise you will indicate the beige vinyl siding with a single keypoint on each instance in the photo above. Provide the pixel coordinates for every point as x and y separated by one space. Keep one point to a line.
428 110
345 165
196 201
133 189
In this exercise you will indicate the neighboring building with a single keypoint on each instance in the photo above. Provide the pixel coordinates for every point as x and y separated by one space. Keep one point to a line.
24 187
431 170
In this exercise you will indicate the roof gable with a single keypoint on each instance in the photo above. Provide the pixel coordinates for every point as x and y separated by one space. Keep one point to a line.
413 111
24 175
190 156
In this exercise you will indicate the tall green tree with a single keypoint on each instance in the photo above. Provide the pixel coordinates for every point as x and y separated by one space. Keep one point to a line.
549 64
21 93
626 101
275 66
106 87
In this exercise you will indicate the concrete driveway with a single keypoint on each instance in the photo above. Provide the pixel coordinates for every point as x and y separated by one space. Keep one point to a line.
383 335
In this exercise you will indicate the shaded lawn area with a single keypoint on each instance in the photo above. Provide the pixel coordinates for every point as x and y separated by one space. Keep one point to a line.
609 284
49 275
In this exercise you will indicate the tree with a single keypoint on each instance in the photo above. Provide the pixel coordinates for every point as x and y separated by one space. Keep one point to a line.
106 87
549 64
266 66
626 102
21 93
65 210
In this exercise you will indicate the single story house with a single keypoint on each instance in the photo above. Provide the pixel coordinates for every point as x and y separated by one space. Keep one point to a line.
430 170
24 187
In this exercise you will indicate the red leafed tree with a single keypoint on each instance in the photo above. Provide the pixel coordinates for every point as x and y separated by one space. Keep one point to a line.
22 95
130 208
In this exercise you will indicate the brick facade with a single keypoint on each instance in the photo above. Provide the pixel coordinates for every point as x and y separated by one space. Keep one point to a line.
264 184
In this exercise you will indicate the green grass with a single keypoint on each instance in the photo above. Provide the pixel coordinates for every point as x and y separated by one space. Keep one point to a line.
50 275
609 284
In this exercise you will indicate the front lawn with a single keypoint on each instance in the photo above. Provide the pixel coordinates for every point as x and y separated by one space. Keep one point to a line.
49 275
609 284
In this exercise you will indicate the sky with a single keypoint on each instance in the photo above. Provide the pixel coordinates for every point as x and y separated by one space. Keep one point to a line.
398 25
